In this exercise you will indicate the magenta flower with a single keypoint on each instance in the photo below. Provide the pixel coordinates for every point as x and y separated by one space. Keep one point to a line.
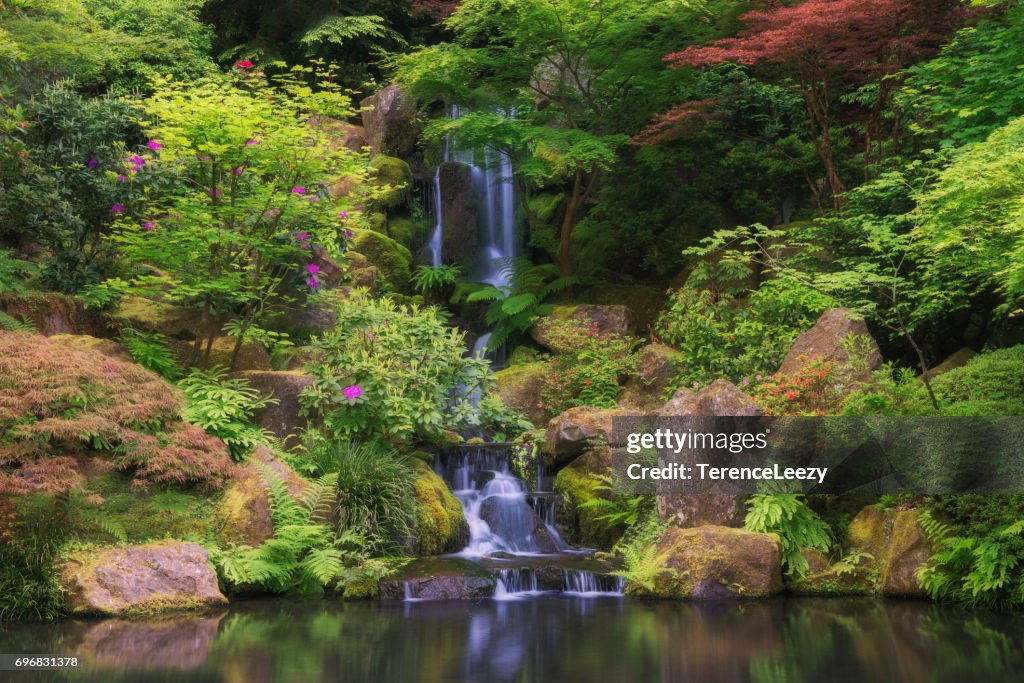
299 190
92 162
213 192
250 143
353 392
154 145
312 269
238 171
116 208
121 177
313 198
243 64
347 234
343 215
149 225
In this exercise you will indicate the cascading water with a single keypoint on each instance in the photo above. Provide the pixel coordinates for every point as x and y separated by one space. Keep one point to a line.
513 530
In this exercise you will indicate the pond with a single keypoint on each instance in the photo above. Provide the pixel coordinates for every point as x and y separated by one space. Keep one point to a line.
549 638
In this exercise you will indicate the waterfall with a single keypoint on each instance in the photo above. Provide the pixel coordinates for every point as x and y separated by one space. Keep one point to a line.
491 176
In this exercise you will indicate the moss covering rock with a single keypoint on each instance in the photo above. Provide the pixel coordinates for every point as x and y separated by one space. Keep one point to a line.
610 319
715 562
176 322
519 387
390 258
576 486
393 178
440 523
169 575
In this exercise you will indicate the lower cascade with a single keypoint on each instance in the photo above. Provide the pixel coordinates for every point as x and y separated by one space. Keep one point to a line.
513 531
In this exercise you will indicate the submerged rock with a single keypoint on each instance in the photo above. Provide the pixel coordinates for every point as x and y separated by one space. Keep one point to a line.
716 562
169 575
447 578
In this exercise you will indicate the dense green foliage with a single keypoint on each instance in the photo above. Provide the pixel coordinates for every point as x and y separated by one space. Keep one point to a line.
796 524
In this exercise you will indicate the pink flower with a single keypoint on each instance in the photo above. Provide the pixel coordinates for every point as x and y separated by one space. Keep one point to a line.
92 162
347 234
313 282
313 198
343 215
149 225
238 171
299 190
213 192
116 208
353 392
312 269
121 178
243 64
154 145
250 143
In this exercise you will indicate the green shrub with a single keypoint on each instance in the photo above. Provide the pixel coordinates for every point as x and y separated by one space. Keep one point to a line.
394 372
797 525
587 368
150 350
723 330
434 280
224 408
375 491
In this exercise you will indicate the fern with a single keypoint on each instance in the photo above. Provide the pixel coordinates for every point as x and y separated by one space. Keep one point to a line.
151 351
225 408
341 30
616 511
644 565
12 324
796 524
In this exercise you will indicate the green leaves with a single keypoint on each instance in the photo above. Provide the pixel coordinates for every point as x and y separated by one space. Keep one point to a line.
224 408
796 524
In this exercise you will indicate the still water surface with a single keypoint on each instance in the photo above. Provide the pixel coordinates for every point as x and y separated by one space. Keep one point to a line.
553 639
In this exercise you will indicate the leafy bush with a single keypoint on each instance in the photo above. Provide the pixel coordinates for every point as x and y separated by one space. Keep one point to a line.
617 511
58 165
59 403
31 535
587 367
375 492
224 408
395 372
796 524
15 273
812 390
434 280
305 554
718 335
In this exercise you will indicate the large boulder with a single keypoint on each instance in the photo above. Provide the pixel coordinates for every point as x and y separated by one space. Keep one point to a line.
715 562
898 545
171 320
283 419
441 526
169 575
243 516
611 319
655 372
719 399
393 178
519 387
577 430
389 121
828 341
957 359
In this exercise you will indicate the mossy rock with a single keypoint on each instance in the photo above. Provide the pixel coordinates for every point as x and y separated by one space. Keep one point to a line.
393 177
140 579
440 524
390 258
176 322
378 222
716 562
579 523
412 232
519 387
361 589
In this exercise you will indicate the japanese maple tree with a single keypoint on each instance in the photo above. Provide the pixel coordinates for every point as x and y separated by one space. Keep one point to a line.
825 48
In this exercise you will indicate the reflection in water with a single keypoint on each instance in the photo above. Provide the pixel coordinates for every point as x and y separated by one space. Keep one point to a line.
552 638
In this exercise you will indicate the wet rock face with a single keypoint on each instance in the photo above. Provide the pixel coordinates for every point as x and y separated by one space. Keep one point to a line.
458 213
440 522
578 430
389 121
169 575
827 341
715 562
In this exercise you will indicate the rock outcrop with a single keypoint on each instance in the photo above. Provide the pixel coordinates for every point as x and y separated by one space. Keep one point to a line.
577 430
715 562
519 387
828 341
389 121
440 523
169 575
611 319
283 419
644 391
